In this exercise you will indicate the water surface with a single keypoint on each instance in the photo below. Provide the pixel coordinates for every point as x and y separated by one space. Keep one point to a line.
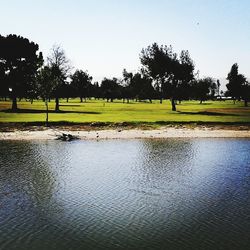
125 194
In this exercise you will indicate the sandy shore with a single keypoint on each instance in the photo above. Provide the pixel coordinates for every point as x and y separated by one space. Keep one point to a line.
164 132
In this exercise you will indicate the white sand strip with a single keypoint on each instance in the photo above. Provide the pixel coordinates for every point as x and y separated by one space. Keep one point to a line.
49 134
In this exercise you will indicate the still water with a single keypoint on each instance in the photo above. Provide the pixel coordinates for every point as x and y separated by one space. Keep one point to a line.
125 194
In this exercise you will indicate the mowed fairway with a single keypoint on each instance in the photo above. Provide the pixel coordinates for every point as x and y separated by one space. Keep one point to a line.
133 112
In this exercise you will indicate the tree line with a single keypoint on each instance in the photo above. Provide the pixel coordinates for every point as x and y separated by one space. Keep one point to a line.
164 74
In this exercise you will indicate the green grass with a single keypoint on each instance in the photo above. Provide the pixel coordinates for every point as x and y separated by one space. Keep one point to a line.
134 112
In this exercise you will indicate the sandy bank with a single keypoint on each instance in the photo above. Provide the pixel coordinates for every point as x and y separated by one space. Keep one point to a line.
164 132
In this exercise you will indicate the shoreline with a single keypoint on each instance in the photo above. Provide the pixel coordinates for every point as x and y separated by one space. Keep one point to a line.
164 132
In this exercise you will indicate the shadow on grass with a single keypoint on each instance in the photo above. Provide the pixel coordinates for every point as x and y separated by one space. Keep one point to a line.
70 105
198 104
39 111
206 113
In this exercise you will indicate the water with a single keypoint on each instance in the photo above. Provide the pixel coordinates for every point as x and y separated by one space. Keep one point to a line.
125 194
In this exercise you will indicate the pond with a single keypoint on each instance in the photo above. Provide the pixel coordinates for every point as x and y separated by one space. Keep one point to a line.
125 194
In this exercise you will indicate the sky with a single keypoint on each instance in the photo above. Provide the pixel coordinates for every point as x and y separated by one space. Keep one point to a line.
106 36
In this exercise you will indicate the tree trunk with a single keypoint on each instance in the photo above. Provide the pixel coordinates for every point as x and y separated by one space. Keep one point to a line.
173 104
67 99
200 101
80 99
127 100
57 105
31 101
161 90
245 103
47 113
14 104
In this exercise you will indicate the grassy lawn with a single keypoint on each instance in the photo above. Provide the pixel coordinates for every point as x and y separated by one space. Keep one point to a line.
134 112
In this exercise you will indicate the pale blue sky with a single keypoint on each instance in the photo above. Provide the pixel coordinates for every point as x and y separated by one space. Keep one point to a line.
105 36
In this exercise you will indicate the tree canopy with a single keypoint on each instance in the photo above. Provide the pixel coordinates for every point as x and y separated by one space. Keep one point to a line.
60 66
168 70
19 62
163 74
81 83
236 82
203 89
110 89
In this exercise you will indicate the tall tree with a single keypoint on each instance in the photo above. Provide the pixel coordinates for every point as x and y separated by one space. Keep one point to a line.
60 67
20 60
166 69
236 82
158 64
81 82
183 74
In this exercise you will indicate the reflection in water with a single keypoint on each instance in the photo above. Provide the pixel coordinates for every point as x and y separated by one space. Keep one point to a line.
117 194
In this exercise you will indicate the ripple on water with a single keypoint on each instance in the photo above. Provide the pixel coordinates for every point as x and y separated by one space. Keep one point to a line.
125 194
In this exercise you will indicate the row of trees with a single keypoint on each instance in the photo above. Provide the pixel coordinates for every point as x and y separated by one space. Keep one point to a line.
164 75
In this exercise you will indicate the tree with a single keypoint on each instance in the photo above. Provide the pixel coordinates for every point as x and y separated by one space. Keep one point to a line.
65 90
81 82
183 74
218 87
95 90
60 67
127 89
46 83
157 62
19 61
146 90
203 89
138 86
246 93
167 70
110 89
236 82
3 83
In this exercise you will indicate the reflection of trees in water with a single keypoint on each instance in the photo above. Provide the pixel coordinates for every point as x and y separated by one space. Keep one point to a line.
24 168
28 181
162 178
200 192
166 160
157 203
